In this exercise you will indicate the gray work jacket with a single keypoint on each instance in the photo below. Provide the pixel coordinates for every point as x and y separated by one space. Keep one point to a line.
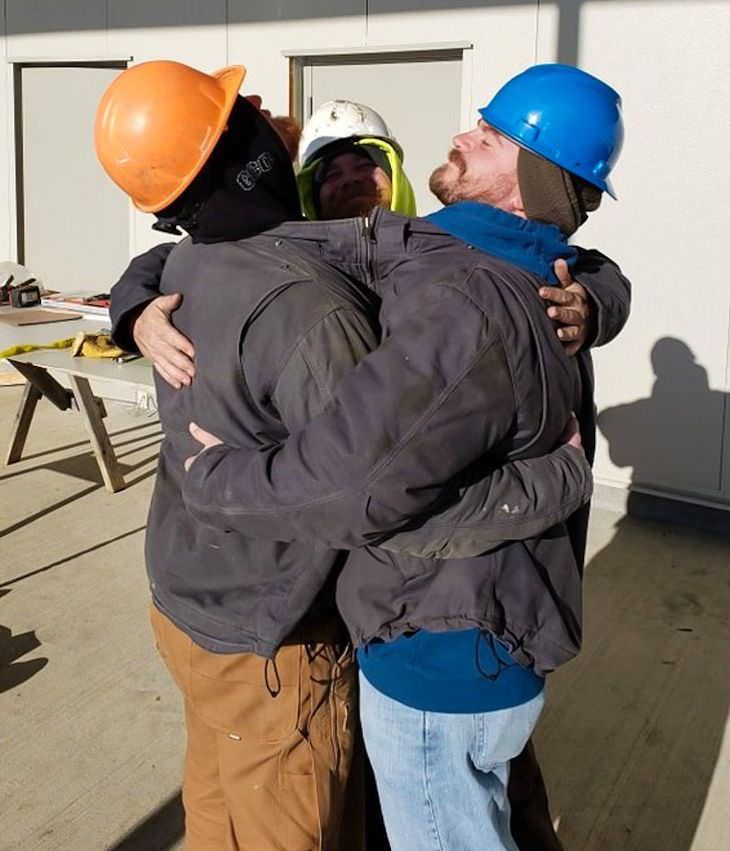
432 404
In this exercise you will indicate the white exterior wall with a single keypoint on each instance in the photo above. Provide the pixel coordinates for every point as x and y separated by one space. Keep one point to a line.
669 230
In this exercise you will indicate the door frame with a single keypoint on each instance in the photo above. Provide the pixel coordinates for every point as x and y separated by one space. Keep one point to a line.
18 66
301 61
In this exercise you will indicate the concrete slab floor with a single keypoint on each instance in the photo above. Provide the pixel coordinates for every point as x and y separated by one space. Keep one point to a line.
634 741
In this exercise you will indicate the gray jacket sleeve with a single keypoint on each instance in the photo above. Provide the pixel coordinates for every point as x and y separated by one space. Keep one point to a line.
512 503
413 414
609 290
139 285
518 501
306 382
523 499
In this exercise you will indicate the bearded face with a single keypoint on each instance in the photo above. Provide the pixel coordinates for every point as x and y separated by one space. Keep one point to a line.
482 166
351 184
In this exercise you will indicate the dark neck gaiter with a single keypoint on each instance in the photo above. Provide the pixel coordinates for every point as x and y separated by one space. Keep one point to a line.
246 187
552 195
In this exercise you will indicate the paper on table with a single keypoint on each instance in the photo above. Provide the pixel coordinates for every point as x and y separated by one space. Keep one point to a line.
26 316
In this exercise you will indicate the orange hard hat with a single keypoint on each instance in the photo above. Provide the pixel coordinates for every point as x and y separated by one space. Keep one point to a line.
157 124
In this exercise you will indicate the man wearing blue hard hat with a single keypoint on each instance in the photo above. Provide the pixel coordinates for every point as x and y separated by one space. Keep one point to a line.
543 149
542 152
453 651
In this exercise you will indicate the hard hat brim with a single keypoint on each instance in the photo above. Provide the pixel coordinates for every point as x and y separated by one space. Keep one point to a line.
330 145
609 188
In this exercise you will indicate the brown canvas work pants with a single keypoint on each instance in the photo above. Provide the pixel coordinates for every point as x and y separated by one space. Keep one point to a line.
270 743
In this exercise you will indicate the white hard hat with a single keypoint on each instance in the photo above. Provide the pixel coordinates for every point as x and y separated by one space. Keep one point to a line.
341 119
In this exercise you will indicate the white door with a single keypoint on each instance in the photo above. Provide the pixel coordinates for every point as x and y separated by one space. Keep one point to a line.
73 222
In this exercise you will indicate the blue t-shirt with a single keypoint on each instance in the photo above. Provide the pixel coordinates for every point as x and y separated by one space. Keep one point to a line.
466 670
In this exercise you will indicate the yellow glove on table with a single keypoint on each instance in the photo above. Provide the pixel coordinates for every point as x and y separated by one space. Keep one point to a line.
84 344
94 346
33 347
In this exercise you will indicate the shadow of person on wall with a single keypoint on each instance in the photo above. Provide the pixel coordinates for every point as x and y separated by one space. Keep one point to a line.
673 438
634 726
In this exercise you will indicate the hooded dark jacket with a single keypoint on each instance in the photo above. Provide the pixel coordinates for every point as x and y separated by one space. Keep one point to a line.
433 403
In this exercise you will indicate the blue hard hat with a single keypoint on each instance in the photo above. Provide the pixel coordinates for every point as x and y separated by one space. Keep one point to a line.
564 115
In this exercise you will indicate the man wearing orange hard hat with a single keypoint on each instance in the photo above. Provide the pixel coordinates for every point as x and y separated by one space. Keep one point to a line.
246 627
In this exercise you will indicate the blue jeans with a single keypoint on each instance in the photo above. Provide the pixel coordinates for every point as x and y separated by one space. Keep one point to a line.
442 778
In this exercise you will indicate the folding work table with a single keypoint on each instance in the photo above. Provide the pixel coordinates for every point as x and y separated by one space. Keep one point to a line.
35 366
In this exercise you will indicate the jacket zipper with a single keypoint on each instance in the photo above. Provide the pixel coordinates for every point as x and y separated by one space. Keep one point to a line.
368 259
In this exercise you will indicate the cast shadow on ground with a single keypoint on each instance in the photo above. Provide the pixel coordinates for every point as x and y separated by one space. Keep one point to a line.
85 467
159 831
61 503
70 558
112 435
634 726
13 670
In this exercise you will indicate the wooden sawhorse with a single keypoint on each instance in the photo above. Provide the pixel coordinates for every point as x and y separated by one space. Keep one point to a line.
34 366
